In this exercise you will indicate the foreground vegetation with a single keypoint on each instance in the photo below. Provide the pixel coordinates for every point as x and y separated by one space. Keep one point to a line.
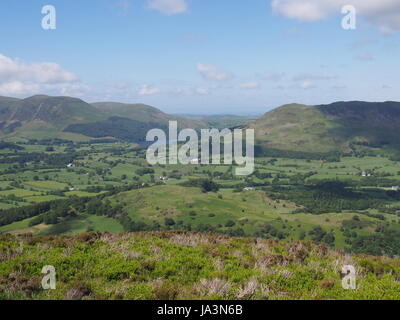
176 265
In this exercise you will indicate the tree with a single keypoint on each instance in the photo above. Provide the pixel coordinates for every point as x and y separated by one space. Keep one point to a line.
169 222
209 186
230 224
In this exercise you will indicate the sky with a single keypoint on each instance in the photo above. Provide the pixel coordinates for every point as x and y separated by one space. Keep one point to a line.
202 56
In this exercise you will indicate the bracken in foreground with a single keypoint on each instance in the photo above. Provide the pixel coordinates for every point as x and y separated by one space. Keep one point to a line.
175 265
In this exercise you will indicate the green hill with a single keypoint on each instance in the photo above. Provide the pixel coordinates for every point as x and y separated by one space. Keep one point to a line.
339 126
147 114
55 111
45 117
139 112
130 121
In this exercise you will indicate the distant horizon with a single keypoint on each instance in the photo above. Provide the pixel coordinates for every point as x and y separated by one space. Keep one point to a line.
248 114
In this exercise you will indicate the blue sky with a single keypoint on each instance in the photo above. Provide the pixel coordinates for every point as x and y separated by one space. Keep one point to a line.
202 56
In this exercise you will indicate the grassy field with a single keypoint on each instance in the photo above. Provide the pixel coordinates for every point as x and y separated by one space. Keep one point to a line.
225 211
99 167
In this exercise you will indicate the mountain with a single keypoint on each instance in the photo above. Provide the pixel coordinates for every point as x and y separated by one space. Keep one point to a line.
340 126
140 112
129 121
146 114
44 117
4 101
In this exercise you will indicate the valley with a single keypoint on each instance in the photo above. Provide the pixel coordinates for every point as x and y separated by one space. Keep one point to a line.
103 186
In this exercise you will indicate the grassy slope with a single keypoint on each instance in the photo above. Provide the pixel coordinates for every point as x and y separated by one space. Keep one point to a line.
329 127
177 202
44 117
296 127
186 266
140 112
41 131
249 210
146 114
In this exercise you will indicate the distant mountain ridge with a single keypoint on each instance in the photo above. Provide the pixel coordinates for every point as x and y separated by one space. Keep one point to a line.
340 126
145 113
42 116
54 110
333 127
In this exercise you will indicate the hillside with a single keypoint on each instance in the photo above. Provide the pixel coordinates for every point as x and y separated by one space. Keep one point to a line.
140 112
176 266
45 117
55 111
339 126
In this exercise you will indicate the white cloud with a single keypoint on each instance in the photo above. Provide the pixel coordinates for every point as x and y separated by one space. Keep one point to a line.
201 91
168 7
121 85
307 85
385 14
21 78
189 91
39 72
75 89
213 73
147 90
250 85
17 88
181 91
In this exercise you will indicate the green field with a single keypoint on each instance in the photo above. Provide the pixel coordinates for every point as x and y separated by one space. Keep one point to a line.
284 202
